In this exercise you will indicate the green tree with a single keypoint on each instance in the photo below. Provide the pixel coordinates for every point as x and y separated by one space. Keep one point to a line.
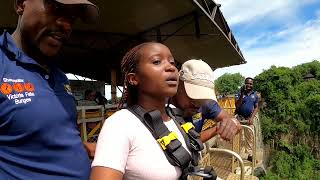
229 84
291 113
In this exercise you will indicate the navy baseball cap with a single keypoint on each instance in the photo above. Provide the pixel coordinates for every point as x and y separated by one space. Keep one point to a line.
91 11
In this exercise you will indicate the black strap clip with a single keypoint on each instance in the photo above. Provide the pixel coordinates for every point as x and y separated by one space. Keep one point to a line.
207 173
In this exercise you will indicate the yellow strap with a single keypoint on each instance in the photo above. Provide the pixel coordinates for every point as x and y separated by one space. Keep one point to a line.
165 140
187 126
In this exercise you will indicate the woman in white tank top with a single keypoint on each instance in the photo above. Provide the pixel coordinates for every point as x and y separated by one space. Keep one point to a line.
126 149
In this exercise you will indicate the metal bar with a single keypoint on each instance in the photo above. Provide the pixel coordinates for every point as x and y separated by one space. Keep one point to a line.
201 34
113 86
214 11
119 89
205 3
177 30
136 36
237 156
197 24
220 28
159 39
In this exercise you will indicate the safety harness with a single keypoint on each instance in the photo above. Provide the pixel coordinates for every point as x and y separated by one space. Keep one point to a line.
176 154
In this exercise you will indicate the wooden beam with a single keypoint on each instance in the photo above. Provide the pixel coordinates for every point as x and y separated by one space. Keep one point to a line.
114 86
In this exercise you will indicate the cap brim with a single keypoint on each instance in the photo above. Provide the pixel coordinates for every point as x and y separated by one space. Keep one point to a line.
199 92
91 11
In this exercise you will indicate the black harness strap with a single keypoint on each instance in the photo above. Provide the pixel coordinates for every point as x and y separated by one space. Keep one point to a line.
192 137
176 154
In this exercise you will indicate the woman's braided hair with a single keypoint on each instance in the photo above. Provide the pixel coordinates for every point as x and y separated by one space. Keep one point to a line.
129 64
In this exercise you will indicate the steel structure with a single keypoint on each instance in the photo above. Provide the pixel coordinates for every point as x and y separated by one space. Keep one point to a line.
190 28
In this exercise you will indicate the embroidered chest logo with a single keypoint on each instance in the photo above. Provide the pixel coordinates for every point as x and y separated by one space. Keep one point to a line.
17 90
252 97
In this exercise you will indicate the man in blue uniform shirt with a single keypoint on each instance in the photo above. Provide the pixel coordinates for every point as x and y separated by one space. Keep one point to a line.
38 132
247 101
196 97
247 108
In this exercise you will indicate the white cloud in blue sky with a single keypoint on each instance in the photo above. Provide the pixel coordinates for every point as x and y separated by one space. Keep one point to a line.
279 32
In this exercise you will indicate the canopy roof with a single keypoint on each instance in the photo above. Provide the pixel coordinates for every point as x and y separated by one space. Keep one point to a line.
190 28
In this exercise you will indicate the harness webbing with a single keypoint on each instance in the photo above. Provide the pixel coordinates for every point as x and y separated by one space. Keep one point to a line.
191 137
176 154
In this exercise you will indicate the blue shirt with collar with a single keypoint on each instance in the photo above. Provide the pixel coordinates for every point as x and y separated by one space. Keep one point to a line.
210 110
249 103
39 138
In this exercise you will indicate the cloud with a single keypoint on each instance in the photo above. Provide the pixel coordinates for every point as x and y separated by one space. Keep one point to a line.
280 32
240 12
299 44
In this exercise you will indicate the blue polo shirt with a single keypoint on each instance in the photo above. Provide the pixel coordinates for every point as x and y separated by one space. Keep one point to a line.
249 103
210 110
38 132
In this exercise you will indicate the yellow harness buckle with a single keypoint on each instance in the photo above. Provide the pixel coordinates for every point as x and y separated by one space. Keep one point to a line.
187 126
165 140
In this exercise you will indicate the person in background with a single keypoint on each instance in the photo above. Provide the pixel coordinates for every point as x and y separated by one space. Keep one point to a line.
246 109
100 99
126 149
38 134
90 95
89 98
196 96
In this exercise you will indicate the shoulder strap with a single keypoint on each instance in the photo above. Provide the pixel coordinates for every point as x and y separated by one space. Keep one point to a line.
173 149
176 154
191 136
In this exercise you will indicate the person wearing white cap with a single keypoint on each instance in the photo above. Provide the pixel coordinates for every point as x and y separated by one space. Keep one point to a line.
196 94
39 138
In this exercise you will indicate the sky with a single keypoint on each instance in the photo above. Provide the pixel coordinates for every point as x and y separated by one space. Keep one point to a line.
279 32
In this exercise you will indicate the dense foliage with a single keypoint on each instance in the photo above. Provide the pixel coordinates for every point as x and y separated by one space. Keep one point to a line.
290 119
229 84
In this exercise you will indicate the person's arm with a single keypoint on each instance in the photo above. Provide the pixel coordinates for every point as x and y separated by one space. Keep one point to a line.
239 102
91 148
208 134
104 173
113 148
227 126
240 98
256 109
253 114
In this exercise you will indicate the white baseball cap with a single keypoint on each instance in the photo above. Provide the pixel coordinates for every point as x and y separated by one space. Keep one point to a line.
198 80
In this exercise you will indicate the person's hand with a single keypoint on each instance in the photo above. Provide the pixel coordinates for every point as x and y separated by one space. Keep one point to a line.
228 127
250 121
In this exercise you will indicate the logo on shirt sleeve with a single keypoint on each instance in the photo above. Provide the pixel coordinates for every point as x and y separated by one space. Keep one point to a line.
17 90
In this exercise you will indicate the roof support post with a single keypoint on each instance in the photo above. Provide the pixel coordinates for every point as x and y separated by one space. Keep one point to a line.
159 39
114 86
197 24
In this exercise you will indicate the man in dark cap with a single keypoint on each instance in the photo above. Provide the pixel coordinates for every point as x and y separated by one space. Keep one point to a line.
38 132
